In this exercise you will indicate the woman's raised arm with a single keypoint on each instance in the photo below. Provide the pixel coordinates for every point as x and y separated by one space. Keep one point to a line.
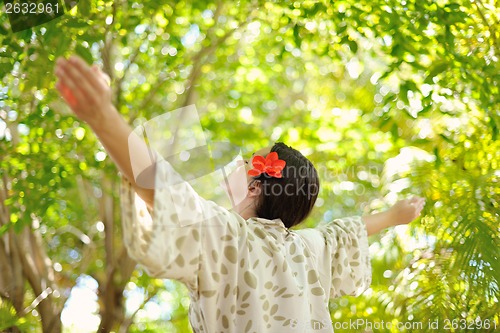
86 90
403 212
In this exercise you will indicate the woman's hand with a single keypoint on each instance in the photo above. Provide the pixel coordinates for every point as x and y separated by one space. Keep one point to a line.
85 89
405 211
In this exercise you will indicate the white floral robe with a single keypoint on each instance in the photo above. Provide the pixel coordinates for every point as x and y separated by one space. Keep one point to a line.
244 275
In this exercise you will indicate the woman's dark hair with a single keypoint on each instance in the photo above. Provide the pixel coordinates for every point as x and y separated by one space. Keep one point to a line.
292 197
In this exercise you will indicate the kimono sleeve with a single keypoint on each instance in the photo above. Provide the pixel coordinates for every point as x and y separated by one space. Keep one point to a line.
168 243
341 249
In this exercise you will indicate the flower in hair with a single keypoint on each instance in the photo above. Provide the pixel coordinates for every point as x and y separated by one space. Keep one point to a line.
270 165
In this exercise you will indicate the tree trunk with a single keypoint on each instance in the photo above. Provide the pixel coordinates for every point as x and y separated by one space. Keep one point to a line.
119 266
11 272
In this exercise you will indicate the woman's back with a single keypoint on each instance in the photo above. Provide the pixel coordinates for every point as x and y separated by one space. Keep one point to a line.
250 275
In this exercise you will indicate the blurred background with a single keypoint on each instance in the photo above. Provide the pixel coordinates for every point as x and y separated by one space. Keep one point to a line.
388 98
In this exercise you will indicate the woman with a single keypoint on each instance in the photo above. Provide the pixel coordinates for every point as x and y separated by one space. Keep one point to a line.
245 269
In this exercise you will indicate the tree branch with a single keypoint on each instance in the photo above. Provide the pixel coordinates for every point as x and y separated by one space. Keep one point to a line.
16 264
4 211
43 295
152 92
106 51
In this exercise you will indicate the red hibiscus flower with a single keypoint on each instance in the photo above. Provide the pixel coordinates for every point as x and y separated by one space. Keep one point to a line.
270 165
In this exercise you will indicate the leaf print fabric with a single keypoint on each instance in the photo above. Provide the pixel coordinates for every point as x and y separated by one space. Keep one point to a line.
250 275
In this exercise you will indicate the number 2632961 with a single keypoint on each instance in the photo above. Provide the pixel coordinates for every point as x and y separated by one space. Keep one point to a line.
31 8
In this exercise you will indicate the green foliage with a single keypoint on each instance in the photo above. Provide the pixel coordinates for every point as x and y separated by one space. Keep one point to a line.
10 319
348 83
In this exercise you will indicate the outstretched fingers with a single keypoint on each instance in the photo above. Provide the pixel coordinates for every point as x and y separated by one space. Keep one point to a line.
68 88
103 77
66 93
85 70
77 78
418 203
